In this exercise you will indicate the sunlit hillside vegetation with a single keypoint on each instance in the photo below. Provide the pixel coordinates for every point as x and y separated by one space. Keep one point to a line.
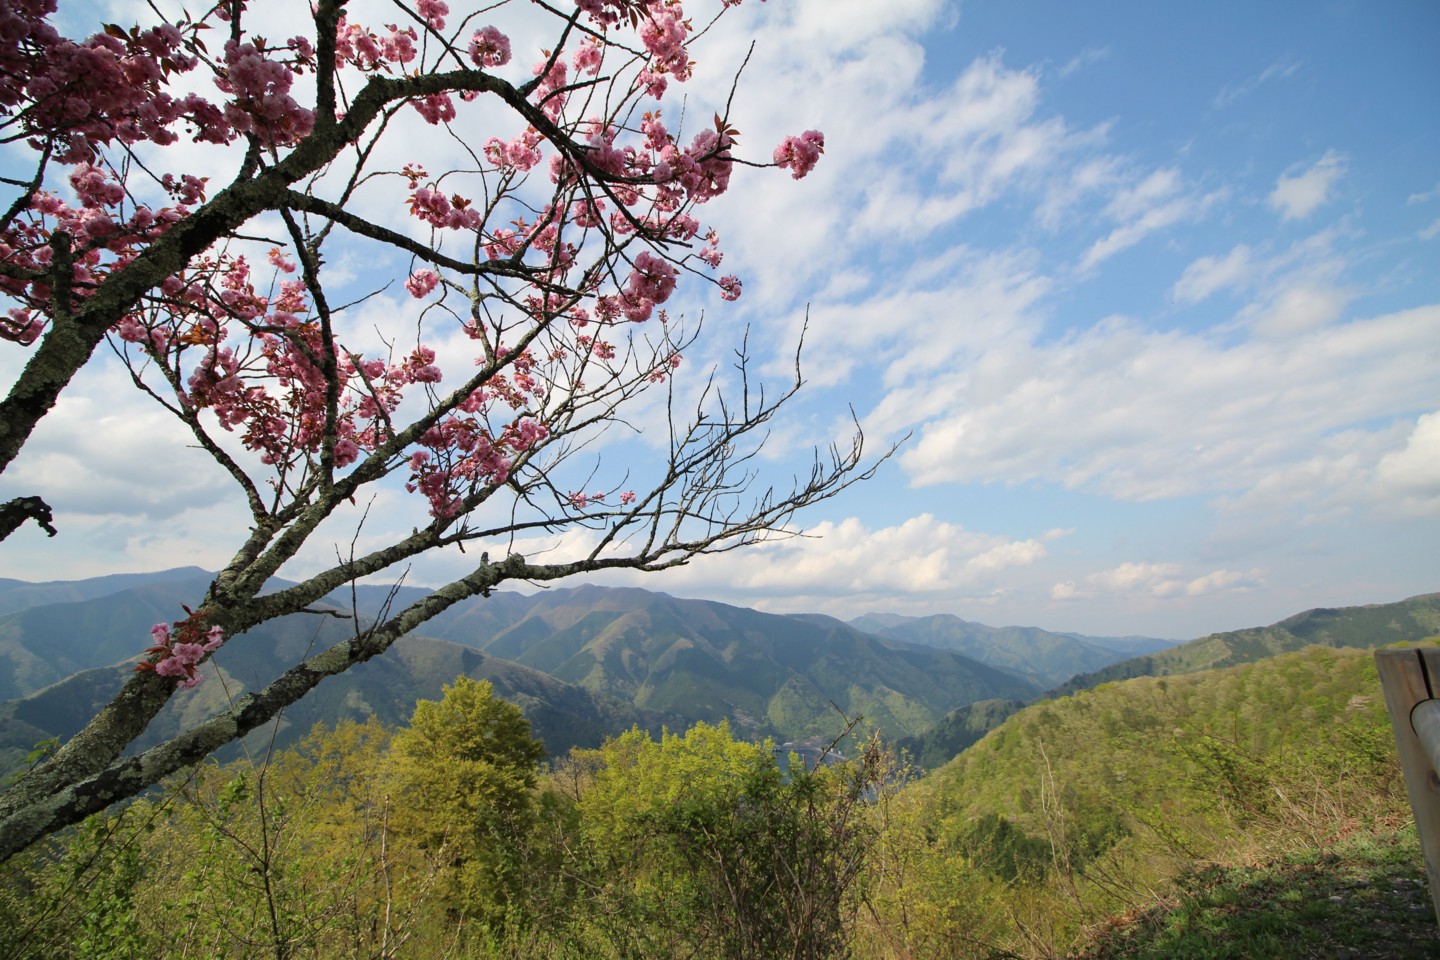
446 838
1089 806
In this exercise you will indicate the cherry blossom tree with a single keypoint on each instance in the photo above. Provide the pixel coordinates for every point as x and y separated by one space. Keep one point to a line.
549 253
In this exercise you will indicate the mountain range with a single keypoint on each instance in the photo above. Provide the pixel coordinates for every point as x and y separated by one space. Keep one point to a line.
586 662
582 663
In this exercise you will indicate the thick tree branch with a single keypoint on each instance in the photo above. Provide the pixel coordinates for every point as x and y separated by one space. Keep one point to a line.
17 511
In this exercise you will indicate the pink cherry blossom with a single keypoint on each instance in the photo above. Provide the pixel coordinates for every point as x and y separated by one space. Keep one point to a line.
588 57
433 11
249 353
437 108
421 282
800 154
489 48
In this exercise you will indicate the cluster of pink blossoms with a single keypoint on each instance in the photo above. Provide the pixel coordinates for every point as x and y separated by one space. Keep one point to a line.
582 500
76 98
261 102
183 648
461 456
367 51
800 154
489 48
658 172
274 388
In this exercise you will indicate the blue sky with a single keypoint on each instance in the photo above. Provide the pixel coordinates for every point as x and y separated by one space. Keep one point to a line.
1151 288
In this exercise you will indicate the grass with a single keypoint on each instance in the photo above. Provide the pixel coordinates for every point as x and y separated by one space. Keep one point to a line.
1364 898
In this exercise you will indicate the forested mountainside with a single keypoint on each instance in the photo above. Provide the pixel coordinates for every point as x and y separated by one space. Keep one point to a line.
1409 621
386 689
582 663
957 731
764 673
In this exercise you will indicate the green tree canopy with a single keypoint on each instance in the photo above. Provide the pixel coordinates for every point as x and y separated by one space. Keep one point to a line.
464 773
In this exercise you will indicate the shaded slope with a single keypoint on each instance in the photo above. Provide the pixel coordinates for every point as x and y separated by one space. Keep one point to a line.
561 715
957 731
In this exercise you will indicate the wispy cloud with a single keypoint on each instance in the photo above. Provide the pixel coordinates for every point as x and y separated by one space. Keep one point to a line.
1158 201
1425 197
1279 70
1209 275
1085 58
1134 414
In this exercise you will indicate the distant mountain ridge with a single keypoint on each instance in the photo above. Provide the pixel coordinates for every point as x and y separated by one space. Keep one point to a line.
20 594
1368 626
1042 656
561 714
1377 625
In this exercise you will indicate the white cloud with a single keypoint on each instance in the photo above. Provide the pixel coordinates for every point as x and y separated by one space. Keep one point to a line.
1209 275
903 160
848 565
1279 70
1135 414
106 449
1326 477
1085 58
1160 581
1298 195
1300 308
1411 475
1292 290
1425 197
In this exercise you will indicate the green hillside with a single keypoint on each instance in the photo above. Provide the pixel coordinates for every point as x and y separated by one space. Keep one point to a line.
1168 742
1368 627
1082 808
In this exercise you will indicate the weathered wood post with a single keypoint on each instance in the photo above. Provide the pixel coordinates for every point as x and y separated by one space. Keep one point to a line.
1411 682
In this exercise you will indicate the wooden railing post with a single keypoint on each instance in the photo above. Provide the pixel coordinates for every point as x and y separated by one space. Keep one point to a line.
1410 680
